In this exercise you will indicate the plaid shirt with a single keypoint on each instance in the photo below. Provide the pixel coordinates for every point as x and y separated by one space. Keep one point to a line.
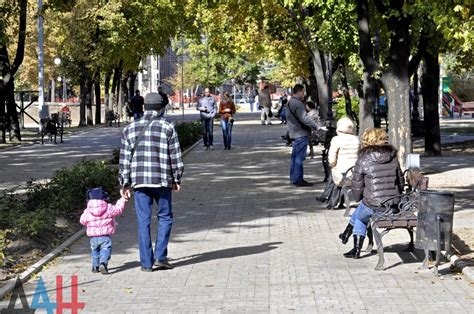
157 159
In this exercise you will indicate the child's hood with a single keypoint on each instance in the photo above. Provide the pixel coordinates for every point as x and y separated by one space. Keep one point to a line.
97 207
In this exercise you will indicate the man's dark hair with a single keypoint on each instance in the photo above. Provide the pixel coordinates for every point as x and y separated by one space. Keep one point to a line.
137 92
297 88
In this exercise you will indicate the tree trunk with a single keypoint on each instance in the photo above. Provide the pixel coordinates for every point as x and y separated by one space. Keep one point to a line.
429 90
12 114
399 132
366 103
319 63
3 138
90 114
107 90
86 99
345 90
9 117
125 93
396 82
116 85
131 84
366 52
98 105
310 83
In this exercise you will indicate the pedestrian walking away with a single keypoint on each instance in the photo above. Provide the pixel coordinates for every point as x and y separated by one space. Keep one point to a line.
151 165
137 105
251 95
265 103
166 101
207 108
377 176
282 110
299 128
227 111
98 217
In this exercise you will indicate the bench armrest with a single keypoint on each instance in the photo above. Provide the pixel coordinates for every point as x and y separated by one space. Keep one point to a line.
403 205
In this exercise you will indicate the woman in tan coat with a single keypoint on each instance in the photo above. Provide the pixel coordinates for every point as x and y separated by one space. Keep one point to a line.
342 156
343 150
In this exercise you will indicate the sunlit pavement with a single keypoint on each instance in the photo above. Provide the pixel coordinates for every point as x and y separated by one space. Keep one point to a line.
244 240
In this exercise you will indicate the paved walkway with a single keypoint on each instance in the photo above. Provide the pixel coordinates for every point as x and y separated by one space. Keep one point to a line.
245 241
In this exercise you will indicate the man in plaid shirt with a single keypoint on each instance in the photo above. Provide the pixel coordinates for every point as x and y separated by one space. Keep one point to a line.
151 165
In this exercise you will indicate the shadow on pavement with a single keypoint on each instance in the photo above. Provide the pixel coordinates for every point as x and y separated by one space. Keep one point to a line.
124 267
225 253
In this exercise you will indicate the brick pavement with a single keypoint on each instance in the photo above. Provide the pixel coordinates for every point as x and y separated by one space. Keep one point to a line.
245 241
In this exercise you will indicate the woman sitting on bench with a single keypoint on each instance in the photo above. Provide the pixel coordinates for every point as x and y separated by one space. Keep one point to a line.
377 176
342 156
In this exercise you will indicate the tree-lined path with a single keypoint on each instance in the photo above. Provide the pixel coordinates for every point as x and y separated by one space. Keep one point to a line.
245 241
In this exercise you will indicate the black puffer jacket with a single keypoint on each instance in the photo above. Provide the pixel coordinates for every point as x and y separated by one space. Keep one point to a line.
377 175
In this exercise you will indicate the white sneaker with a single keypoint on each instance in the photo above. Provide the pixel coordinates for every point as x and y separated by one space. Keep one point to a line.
211 148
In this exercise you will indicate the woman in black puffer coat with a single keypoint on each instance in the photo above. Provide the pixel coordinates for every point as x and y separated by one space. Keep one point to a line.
377 176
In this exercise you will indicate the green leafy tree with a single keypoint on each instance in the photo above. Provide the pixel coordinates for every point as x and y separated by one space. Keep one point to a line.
13 22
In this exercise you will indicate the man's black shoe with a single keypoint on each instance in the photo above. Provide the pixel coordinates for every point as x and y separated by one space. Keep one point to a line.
146 269
95 269
163 265
303 183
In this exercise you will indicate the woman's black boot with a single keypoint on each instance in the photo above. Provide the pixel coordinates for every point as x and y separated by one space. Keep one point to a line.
355 252
358 242
346 234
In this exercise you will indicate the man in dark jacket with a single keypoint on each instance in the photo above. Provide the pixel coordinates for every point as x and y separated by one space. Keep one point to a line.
299 127
165 98
137 105
377 176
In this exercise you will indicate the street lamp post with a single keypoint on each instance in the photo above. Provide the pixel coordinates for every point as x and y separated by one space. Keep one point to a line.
40 63
182 79
57 62
182 63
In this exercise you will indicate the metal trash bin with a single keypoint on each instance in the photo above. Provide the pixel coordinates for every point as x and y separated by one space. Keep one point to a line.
434 230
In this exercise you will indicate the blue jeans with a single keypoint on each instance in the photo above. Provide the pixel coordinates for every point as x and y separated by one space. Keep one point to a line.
144 198
137 115
101 249
251 105
283 114
227 132
360 218
298 155
207 131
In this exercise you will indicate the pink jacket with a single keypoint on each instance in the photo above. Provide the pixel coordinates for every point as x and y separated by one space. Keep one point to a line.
99 215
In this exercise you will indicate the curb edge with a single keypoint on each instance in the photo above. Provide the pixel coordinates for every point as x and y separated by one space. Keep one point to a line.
458 263
36 267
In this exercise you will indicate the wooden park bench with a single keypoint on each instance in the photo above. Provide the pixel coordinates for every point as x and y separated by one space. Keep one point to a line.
398 212
52 127
112 116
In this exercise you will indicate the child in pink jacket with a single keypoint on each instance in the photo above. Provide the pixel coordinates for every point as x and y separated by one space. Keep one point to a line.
99 219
